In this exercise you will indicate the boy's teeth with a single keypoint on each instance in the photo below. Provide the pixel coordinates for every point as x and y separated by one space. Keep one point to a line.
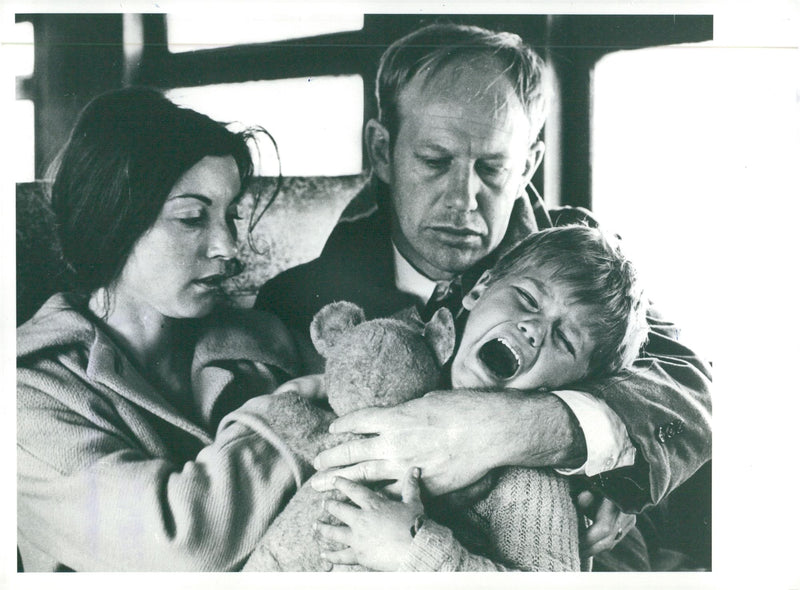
500 358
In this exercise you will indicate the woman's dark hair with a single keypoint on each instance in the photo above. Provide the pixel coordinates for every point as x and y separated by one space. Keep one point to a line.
126 152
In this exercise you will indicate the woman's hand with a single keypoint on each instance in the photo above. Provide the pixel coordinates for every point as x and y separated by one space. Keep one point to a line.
377 530
311 387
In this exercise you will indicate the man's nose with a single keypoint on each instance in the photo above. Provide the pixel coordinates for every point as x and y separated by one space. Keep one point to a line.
534 332
463 189
222 242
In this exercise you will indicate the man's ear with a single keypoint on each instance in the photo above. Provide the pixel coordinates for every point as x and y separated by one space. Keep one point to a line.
471 298
533 161
378 149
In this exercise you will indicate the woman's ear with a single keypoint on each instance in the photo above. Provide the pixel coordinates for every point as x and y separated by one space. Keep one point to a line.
378 149
471 298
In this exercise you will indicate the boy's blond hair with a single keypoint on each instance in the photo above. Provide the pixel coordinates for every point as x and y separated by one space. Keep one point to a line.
591 265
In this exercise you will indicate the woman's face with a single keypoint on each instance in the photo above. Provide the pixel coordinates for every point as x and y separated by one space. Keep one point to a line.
177 266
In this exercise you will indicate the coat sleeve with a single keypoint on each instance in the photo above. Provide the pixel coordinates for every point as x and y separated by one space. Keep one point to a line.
91 496
665 403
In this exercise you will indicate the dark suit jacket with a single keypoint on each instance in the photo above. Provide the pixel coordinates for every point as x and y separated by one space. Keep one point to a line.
664 400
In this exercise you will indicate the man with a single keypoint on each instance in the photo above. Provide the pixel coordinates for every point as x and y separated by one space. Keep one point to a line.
453 151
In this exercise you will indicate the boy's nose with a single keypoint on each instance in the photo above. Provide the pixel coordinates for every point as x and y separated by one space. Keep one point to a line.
533 333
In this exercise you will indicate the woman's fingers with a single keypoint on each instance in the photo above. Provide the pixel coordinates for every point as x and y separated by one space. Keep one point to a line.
366 421
329 532
308 386
342 557
361 496
348 453
341 510
368 471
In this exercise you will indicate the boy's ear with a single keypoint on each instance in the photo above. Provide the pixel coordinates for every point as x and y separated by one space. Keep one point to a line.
471 298
379 151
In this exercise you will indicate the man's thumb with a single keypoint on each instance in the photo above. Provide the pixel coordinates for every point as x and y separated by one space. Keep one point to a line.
410 491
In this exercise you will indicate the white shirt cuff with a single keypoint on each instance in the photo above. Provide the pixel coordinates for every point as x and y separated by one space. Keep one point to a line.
607 443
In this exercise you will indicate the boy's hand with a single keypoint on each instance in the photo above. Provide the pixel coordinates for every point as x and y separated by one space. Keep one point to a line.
609 524
376 530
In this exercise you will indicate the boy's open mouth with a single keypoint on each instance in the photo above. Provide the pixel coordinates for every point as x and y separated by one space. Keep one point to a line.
500 358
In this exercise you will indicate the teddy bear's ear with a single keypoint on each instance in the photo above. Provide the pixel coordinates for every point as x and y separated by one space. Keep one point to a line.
440 332
331 321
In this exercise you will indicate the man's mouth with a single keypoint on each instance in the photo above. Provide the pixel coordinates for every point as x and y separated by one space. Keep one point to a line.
500 358
462 231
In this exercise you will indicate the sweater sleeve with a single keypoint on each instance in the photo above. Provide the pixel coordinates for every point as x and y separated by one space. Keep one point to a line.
100 488
435 549
527 522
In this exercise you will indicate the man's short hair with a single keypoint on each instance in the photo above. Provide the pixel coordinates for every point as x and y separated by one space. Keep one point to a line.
428 50
593 268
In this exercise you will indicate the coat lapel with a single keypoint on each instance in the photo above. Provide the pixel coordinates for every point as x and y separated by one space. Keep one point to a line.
109 367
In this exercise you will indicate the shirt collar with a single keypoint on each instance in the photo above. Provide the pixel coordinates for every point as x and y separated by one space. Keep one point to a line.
412 282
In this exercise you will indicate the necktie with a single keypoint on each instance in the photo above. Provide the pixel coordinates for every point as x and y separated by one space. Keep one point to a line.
446 294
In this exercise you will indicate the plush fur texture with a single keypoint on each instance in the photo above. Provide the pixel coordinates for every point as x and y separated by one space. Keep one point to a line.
379 362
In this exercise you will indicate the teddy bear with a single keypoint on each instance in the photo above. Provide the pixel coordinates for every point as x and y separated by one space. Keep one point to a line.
379 362
522 518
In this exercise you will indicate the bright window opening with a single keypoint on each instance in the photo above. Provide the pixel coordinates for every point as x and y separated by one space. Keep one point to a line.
190 32
316 122
19 48
687 139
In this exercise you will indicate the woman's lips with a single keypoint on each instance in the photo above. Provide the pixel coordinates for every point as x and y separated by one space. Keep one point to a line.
500 358
212 281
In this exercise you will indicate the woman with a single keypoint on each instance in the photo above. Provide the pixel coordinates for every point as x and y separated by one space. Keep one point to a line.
129 457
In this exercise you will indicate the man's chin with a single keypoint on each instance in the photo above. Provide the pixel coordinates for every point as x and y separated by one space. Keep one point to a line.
453 261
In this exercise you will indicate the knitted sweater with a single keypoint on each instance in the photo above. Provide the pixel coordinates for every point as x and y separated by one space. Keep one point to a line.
527 522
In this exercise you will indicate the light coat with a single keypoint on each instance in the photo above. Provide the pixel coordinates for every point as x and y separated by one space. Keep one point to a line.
113 477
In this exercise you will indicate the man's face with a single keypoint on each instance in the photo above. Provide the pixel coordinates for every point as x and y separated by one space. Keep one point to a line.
462 156
523 332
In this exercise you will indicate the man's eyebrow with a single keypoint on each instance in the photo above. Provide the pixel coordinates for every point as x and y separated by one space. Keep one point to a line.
201 198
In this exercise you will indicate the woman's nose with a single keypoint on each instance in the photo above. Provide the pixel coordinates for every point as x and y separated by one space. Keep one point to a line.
533 332
222 243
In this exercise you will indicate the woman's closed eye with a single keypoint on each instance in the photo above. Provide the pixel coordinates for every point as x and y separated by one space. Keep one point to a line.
195 218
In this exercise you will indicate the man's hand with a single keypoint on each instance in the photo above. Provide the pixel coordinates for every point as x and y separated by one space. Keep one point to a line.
454 437
609 524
